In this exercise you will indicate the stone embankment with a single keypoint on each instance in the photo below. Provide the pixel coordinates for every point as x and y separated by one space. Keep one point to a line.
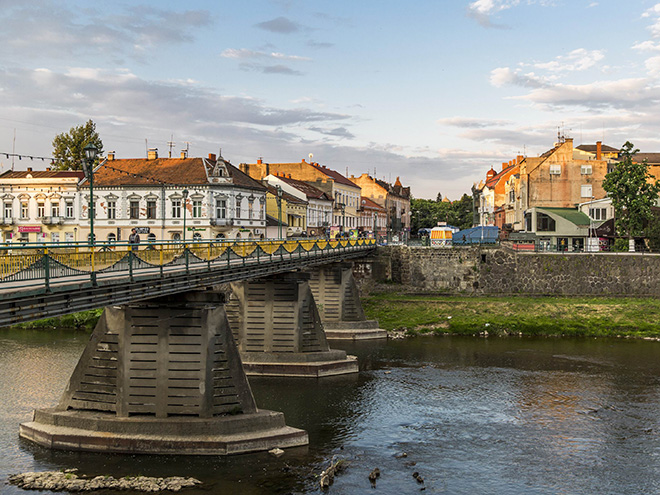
502 271
69 481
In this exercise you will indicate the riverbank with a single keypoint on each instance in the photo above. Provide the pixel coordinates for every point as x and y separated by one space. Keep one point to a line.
85 321
517 315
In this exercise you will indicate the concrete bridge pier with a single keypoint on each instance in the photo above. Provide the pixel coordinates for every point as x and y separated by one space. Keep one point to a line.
278 330
161 377
338 299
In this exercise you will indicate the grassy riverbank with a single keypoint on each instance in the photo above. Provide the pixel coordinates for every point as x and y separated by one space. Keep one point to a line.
548 316
84 321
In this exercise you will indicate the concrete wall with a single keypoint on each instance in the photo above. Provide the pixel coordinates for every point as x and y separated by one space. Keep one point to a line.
473 270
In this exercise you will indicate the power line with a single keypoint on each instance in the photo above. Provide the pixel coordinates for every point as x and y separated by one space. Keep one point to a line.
31 157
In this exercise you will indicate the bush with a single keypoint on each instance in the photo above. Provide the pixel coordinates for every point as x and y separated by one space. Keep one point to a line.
620 245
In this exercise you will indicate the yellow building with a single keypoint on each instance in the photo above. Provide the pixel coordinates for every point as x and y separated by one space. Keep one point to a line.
394 198
40 206
345 193
291 213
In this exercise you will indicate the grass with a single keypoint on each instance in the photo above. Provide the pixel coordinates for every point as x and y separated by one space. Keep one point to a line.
83 321
520 315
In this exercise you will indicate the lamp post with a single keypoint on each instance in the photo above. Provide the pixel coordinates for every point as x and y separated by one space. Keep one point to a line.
185 201
343 219
88 169
279 211
375 217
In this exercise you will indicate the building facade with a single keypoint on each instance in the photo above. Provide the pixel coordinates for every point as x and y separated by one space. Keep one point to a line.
172 199
40 206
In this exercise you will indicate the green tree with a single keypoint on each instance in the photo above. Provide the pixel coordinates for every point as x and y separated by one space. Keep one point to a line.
633 192
69 147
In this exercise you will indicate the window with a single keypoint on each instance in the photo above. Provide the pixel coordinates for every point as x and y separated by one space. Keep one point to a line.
598 213
112 237
41 210
176 208
544 223
151 208
8 211
197 208
25 211
197 237
585 191
220 236
112 210
512 196
250 209
134 211
69 209
221 208
55 209
555 169
151 238
585 170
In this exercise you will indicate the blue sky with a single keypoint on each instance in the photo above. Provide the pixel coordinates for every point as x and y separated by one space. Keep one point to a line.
432 91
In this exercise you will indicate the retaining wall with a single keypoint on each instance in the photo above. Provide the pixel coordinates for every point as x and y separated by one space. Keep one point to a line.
475 270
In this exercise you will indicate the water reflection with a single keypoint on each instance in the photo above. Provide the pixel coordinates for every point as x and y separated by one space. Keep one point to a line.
514 416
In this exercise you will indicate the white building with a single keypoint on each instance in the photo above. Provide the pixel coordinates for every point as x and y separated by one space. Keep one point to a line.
319 203
159 196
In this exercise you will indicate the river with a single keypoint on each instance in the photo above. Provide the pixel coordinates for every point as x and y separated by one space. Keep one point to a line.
470 415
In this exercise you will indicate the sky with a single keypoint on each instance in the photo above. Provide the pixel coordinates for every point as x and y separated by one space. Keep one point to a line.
433 92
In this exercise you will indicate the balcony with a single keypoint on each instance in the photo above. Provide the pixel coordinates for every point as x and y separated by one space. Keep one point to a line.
7 221
52 220
222 222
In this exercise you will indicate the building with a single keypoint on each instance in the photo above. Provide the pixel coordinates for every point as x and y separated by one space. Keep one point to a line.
40 206
319 203
344 193
289 211
373 219
394 198
493 199
210 197
598 151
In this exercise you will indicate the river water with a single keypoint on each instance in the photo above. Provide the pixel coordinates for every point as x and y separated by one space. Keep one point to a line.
470 415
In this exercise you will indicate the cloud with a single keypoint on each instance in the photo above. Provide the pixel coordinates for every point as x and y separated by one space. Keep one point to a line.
244 53
471 123
280 69
340 132
504 76
280 25
482 10
57 32
579 59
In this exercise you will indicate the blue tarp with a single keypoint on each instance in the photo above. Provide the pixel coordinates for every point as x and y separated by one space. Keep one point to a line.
476 235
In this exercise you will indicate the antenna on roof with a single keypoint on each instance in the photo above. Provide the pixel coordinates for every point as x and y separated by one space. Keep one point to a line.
171 144
146 147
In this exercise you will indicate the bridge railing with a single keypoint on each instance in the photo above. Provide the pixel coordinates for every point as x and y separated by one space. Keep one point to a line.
43 264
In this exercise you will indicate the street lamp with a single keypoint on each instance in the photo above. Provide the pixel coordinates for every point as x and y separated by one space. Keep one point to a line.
343 218
279 211
185 201
88 169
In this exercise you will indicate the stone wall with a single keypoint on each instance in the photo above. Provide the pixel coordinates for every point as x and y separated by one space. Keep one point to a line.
475 270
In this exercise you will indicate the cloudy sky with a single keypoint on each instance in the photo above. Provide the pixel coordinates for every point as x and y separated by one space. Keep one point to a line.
433 91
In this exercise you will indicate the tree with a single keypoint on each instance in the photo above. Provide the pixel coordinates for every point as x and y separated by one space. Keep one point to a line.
633 191
69 147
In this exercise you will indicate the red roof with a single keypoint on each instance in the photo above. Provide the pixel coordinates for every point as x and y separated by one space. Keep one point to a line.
370 205
42 174
334 175
309 190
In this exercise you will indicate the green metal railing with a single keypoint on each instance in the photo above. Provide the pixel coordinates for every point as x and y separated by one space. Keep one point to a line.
34 264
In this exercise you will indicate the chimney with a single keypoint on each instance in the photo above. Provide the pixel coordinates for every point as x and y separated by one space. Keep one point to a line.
29 169
599 150
111 156
289 176
184 154
519 159
259 161
152 154
212 157
505 165
303 161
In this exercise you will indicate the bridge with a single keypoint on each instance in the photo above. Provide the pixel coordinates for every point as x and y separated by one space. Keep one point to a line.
165 368
40 281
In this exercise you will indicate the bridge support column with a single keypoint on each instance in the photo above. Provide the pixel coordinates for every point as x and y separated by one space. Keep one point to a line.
278 330
161 377
338 300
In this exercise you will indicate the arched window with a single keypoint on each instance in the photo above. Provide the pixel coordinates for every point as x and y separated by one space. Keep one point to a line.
197 237
176 237
238 235
220 236
151 238
112 237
